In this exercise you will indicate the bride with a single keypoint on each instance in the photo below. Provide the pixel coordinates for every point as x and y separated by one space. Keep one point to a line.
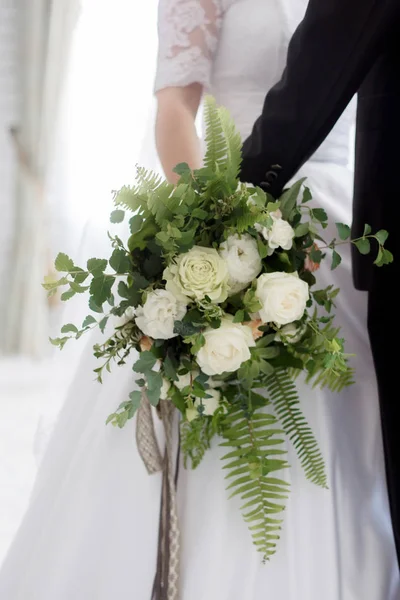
90 532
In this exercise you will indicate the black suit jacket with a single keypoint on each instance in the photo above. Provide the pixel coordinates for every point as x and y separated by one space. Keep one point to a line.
341 47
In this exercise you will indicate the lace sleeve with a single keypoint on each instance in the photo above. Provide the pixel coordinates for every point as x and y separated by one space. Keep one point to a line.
188 36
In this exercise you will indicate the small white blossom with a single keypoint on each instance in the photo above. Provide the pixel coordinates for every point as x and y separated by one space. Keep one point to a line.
290 334
157 316
210 405
280 234
243 260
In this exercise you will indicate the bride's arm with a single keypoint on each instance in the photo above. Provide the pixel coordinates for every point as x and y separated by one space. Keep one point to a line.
176 135
188 37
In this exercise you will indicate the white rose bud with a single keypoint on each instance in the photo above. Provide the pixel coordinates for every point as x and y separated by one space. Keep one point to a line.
283 297
281 234
157 316
290 334
243 260
225 348
165 389
210 405
129 314
191 414
198 273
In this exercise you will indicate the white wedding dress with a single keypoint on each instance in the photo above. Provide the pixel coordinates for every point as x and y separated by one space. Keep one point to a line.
90 532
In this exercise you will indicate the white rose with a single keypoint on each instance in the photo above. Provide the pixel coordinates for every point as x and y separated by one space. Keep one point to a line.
281 233
210 405
165 389
198 273
225 348
283 297
185 380
243 260
157 316
290 334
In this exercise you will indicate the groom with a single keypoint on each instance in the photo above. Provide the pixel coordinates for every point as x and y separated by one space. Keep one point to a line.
343 47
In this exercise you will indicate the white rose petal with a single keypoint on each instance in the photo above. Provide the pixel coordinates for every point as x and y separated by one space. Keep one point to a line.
281 234
290 334
243 260
198 273
185 380
283 297
157 316
225 348
165 389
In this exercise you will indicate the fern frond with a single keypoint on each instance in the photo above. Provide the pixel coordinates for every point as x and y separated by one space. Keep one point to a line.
149 191
216 152
283 394
196 438
131 199
147 180
256 452
246 219
233 144
162 203
335 381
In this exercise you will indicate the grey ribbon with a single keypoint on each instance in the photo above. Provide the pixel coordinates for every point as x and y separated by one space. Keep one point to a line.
166 581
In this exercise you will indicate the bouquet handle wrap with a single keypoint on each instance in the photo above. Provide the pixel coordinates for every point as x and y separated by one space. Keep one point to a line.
166 581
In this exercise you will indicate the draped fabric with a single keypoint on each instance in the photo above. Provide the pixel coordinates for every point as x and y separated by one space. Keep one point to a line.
45 41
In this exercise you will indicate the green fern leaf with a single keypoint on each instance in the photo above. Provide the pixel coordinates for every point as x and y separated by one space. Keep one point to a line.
150 194
333 380
284 397
131 199
246 219
234 145
254 456
216 153
196 438
162 204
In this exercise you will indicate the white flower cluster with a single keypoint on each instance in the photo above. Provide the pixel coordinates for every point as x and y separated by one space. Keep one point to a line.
216 274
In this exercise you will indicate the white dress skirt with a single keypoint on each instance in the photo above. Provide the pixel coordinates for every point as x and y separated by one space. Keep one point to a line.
90 532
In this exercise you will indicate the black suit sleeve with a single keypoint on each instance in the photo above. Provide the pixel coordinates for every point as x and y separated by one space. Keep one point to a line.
329 55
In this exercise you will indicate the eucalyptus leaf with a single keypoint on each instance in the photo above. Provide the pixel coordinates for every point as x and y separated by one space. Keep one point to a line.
336 260
145 363
100 288
64 263
343 231
117 216
382 236
69 328
363 246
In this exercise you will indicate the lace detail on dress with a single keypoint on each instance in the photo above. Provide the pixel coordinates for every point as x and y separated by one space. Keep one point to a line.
188 38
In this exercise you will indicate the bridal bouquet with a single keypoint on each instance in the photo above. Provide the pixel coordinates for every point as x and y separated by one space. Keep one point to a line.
215 289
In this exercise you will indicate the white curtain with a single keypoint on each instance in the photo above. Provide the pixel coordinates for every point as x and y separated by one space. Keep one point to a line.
45 41
107 127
